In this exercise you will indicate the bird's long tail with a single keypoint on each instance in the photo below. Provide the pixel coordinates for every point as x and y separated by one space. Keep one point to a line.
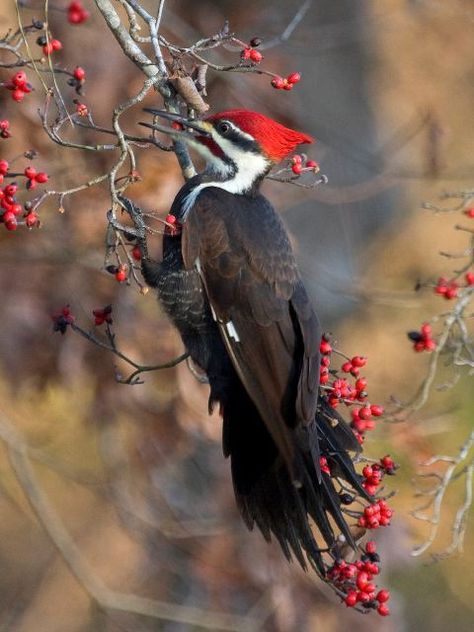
265 493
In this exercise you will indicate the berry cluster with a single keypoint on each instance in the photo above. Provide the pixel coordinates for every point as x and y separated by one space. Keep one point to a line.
103 315
355 581
423 340
49 46
81 108
34 177
10 208
299 165
62 318
447 288
19 86
341 391
76 14
376 515
373 475
5 129
363 418
250 54
281 83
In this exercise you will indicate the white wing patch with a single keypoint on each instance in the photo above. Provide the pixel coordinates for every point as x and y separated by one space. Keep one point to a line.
232 331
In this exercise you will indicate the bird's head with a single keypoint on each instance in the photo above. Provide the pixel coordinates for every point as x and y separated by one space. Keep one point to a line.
236 142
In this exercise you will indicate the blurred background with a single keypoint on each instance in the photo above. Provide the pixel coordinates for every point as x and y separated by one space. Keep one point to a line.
136 473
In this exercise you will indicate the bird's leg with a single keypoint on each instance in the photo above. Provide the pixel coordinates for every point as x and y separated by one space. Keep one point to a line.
151 269
139 230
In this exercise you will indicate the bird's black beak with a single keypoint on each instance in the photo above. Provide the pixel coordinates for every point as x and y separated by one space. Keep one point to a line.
202 128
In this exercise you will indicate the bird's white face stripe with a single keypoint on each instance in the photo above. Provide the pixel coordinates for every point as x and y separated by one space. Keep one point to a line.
249 167
236 129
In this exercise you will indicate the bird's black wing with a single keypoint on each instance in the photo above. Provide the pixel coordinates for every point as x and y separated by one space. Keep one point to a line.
245 259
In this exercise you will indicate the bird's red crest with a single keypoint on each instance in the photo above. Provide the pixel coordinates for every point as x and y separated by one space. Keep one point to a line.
276 140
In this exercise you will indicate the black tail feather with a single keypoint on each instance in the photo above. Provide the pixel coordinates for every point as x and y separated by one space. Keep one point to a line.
265 493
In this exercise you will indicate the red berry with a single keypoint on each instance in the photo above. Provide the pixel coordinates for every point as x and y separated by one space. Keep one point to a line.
359 361
4 167
387 462
362 580
426 330
11 189
8 216
469 277
325 347
30 173
294 77
170 219
31 219
5 124
18 95
286 85
312 164
103 315
121 275
371 547
48 48
11 223
19 79
365 413
376 410
41 177
56 44
297 169
297 159
76 14
383 610
16 209
81 109
451 292
441 286
323 463
351 599
278 83
137 253
79 73
256 56
469 212
383 596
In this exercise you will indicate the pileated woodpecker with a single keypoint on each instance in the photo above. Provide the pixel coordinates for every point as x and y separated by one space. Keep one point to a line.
230 283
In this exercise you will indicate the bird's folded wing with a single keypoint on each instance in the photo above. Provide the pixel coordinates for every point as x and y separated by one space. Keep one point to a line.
269 328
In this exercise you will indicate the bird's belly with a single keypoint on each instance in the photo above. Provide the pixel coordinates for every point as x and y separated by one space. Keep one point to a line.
182 296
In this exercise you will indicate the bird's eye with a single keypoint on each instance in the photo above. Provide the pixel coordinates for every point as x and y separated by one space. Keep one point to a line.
224 128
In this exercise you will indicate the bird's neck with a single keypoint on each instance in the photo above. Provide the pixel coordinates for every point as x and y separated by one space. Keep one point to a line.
242 179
